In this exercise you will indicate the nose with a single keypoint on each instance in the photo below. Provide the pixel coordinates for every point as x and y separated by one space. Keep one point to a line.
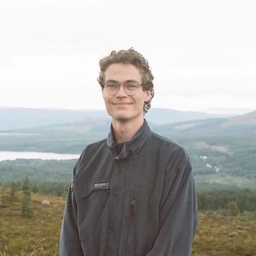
121 92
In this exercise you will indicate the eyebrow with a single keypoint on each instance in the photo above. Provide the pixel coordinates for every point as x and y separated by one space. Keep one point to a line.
129 80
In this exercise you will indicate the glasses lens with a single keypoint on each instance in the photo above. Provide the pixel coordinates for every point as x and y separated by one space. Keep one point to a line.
130 88
111 87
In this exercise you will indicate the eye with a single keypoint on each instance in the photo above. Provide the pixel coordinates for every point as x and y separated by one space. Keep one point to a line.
111 85
131 86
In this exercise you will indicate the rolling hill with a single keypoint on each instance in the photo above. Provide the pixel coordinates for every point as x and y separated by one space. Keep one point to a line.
16 118
222 150
39 235
246 122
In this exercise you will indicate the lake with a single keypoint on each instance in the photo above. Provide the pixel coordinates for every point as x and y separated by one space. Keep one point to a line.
13 155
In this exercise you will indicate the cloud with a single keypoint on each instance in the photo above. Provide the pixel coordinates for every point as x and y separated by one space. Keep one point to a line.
201 52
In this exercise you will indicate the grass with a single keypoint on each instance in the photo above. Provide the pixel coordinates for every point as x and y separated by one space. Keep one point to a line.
225 236
38 235
217 235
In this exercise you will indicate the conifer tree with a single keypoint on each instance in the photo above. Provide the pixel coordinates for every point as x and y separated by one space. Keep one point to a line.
13 190
233 208
26 203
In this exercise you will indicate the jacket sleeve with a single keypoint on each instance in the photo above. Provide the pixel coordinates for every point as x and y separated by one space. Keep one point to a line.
178 209
69 237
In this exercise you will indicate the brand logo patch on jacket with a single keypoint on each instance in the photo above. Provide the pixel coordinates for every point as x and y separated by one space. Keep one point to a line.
101 185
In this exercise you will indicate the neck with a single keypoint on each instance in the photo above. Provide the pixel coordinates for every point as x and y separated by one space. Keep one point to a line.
124 131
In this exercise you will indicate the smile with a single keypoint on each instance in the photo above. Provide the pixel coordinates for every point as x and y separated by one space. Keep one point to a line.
122 104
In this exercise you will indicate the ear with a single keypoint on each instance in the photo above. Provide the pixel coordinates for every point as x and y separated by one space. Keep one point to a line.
148 95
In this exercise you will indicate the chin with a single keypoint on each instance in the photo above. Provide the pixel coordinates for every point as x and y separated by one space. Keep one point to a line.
121 118
120 113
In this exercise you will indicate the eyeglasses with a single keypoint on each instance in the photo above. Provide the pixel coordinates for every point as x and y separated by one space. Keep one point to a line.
130 87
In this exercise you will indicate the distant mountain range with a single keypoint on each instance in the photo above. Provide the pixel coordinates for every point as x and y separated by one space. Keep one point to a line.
222 149
246 122
16 118
97 121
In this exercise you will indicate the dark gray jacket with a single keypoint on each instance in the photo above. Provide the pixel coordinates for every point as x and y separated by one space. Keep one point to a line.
131 199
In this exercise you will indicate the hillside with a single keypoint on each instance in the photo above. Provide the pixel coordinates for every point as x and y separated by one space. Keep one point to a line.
16 118
222 150
222 147
38 235
246 122
246 119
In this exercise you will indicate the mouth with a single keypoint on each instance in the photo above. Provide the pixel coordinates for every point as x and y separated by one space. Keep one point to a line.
122 104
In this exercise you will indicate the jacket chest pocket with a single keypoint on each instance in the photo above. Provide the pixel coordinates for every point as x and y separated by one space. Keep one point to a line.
91 205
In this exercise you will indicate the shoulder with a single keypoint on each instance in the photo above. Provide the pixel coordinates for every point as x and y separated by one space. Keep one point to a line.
166 143
170 150
90 151
91 148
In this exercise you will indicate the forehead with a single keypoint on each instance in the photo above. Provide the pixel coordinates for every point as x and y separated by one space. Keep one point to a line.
122 72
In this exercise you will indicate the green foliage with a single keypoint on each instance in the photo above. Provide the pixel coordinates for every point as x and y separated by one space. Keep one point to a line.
216 199
53 177
26 203
3 242
216 234
229 151
35 189
233 208
3 196
13 190
45 176
224 166
224 235
25 237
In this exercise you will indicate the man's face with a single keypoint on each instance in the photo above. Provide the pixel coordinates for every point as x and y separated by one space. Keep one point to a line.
120 105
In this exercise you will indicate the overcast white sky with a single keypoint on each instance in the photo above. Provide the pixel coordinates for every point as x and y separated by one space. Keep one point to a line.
202 52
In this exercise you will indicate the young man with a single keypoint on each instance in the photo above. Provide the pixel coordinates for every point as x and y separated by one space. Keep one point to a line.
133 193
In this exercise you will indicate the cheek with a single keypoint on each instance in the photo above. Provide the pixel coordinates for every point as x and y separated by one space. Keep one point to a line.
105 96
107 101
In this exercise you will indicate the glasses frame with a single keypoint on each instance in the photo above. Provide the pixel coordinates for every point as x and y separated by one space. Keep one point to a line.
113 91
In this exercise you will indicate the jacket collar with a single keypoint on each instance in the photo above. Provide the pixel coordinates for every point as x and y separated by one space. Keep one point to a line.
127 149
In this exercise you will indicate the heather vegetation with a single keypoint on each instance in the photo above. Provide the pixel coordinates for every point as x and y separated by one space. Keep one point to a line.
224 232
34 234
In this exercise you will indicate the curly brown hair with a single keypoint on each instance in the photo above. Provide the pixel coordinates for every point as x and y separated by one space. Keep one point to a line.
135 58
